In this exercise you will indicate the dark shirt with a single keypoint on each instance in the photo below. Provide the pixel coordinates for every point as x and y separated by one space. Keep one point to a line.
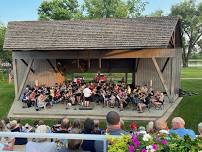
61 131
88 145
19 141
117 132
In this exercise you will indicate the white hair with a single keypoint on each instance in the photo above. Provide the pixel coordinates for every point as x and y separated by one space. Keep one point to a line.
200 127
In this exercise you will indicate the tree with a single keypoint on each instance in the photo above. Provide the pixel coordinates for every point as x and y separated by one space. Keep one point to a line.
157 13
59 10
4 55
113 8
191 19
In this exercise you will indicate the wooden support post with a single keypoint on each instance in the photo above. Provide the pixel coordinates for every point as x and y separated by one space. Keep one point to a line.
100 63
173 73
78 64
24 79
136 64
27 65
126 77
161 78
15 76
133 74
52 66
164 66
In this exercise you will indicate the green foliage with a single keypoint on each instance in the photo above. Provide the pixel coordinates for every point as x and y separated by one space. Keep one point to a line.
119 144
59 10
191 18
70 9
4 55
157 13
113 8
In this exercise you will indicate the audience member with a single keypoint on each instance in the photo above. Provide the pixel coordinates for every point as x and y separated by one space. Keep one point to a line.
40 145
74 145
150 127
160 125
200 129
114 124
178 127
14 127
88 145
64 126
5 142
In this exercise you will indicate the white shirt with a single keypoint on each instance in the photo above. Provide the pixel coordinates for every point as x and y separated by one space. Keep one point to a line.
40 147
87 92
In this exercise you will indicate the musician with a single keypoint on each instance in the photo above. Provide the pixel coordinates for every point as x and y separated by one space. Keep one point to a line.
122 96
87 96
144 100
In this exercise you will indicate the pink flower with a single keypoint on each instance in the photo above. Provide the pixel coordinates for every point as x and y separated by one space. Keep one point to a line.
143 150
136 142
131 148
164 142
155 147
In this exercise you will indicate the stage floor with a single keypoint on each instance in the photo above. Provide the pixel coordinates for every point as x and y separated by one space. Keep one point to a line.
98 112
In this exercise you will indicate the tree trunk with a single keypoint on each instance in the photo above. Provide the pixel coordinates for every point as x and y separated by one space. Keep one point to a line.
184 59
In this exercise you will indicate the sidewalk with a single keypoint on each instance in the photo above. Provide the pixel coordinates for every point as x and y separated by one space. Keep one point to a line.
191 78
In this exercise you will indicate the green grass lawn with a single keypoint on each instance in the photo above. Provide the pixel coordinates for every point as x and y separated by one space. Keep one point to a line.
190 108
195 72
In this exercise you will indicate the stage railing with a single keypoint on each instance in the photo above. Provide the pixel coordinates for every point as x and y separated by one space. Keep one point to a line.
57 136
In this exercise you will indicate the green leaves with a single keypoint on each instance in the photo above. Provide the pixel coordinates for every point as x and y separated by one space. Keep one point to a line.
58 10
70 9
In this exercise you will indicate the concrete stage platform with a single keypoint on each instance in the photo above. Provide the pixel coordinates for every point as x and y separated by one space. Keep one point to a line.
98 112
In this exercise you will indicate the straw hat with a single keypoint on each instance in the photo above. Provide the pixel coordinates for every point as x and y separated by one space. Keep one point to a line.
13 124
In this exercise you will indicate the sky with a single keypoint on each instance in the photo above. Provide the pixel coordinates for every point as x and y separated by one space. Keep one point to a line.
22 10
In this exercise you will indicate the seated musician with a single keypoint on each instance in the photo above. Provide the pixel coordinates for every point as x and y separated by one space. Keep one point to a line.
57 95
32 98
78 95
41 100
122 96
144 101
157 99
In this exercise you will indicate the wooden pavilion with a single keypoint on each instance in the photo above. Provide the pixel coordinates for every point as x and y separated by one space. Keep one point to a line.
147 47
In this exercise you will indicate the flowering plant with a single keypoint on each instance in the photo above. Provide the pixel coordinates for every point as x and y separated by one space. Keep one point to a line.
161 142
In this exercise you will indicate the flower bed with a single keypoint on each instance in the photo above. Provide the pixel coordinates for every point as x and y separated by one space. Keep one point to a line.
161 142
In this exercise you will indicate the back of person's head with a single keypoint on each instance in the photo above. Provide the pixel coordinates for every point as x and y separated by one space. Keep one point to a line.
96 123
13 124
160 124
113 118
41 122
76 124
178 122
150 127
65 124
88 125
200 128
6 120
74 144
2 126
41 129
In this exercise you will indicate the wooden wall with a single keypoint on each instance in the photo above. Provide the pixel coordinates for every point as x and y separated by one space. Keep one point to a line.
43 72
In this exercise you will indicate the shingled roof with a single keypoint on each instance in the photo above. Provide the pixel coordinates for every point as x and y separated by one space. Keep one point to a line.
145 32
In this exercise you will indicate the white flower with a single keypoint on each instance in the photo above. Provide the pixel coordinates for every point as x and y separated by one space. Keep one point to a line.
146 137
164 132
142 132
150 148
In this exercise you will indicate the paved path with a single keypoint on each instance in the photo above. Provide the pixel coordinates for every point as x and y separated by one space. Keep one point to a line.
191 78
